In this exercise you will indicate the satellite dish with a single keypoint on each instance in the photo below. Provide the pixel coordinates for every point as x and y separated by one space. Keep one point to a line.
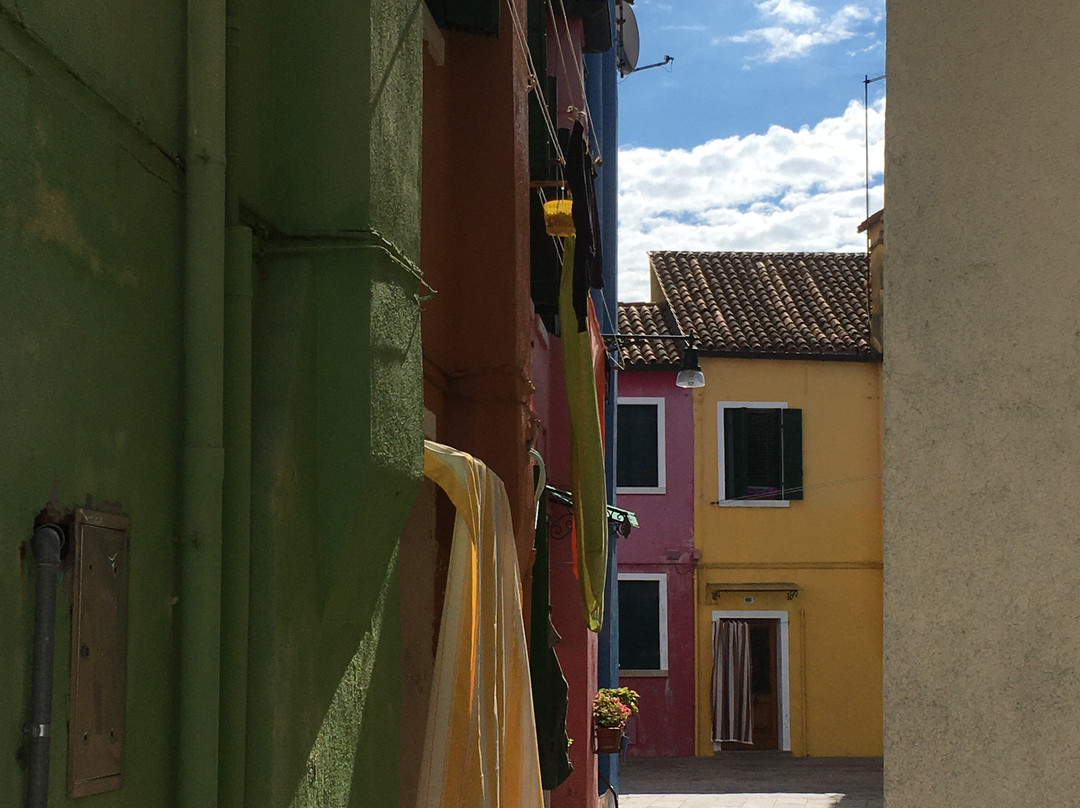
627 32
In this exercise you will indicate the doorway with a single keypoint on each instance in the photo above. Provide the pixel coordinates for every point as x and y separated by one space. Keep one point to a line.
764 675
768 678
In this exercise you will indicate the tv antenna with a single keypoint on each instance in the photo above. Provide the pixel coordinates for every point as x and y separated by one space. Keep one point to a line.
867 81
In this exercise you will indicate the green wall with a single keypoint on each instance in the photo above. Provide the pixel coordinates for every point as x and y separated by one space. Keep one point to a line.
90 268
91 290
337 390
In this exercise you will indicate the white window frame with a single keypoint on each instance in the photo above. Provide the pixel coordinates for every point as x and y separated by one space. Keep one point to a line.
661 444
721 456
661 579
783 654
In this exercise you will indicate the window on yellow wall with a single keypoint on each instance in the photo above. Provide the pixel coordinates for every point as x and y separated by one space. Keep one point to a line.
639 446
760 453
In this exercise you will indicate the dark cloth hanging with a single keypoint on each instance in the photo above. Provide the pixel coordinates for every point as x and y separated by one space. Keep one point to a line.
548 683
546 268
588 257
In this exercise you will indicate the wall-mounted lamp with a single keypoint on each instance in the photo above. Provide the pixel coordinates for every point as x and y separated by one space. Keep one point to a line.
690 375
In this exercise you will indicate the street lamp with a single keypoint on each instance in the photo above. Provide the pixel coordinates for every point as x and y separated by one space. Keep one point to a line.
690 375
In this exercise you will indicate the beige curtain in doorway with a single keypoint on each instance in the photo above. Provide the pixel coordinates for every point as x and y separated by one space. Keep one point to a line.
732 708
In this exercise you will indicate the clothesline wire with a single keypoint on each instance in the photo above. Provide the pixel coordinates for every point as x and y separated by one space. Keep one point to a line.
555 239
562 60
823 484
534 81
580 74
612 320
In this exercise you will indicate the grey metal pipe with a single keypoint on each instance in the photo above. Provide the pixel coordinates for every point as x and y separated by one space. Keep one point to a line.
47 543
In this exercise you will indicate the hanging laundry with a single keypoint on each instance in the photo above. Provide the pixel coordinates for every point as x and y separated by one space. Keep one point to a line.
480 750
548 682
588 257
586 453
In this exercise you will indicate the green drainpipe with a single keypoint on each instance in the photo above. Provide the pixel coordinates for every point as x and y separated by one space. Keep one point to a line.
203 461
236 494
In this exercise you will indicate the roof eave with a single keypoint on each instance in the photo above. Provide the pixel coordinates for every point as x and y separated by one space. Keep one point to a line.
869 356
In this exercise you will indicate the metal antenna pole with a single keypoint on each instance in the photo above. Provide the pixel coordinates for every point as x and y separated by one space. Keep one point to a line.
867 81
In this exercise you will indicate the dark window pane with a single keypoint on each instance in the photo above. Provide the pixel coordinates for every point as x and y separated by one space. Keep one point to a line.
763 467
639 625
637 451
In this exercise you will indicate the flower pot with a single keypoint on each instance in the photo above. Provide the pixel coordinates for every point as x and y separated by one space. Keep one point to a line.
607 740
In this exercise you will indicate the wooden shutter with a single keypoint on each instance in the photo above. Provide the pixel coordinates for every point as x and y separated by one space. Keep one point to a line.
735 452
542 161
791 427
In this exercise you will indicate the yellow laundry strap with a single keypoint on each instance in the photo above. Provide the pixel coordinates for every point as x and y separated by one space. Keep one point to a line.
480 750
586 451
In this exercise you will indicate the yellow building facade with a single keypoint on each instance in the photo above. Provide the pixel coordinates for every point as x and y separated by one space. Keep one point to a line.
807 571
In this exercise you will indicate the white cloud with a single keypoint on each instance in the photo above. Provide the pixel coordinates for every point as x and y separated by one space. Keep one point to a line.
778 191
800 29
789 11
876 46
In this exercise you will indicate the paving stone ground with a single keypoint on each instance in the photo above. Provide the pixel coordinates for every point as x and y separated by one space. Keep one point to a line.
750 780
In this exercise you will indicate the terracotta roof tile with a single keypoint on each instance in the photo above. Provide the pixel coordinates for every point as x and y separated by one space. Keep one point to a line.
644 319
802 304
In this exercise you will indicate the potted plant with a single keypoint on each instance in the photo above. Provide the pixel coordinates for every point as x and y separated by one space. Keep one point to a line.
612 706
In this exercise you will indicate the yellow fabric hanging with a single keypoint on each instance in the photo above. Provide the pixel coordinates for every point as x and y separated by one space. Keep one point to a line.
586 451
480 750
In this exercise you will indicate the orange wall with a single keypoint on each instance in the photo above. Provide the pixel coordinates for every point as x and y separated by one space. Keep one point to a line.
475 252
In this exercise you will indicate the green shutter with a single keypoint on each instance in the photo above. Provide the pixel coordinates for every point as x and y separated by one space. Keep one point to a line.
540 151
791 426
475 16
735 453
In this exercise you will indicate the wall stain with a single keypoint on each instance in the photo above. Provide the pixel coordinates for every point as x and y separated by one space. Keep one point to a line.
54 220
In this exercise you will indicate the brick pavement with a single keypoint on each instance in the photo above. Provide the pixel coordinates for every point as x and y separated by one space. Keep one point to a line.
750 780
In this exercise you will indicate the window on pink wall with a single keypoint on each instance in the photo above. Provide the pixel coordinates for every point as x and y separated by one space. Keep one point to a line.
643 634
640 462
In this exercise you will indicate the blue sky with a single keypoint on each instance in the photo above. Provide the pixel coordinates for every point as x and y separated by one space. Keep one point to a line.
752 139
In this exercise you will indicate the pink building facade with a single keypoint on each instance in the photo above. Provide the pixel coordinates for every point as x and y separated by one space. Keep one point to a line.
577 648
655 480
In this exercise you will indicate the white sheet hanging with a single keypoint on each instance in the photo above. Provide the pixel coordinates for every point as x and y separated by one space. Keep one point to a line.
480 750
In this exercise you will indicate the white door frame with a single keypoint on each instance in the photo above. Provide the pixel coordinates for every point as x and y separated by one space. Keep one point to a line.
782 656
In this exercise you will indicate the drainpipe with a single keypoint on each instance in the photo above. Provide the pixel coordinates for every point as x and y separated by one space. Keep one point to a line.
236 493
47 543
203 461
